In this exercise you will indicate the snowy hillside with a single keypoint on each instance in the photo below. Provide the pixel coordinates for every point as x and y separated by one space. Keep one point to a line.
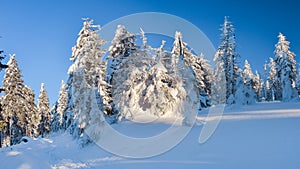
264 135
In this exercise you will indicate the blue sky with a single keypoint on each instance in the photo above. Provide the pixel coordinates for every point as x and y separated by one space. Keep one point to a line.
42 33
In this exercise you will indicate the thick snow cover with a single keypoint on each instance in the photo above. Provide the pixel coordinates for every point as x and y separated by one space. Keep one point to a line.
264 135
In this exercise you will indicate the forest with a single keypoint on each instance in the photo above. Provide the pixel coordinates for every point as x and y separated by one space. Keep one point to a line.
131 78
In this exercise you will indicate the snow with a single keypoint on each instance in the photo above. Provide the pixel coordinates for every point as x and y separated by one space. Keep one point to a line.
263 135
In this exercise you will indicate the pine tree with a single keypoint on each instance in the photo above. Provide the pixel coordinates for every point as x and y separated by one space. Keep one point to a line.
44 112
227 53
285 66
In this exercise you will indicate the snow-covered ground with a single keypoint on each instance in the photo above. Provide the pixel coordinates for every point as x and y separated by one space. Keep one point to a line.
265 135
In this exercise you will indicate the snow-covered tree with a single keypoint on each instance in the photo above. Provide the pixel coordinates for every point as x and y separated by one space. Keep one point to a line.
248 75
264 81
121 47
44 112
285 66
87 53
227 53
258 86
269 92
246 87
218 86
203 73
200 66
87 56
177 50
152 85
31 112
58 116
87 80
15 104
272 81
298 81
132 69
244 94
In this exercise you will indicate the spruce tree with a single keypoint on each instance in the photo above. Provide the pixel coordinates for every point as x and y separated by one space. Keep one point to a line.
88 79
227 53
218 86
31 112
258 86
285 66
14 114
246 90
58 121
44 112
273 82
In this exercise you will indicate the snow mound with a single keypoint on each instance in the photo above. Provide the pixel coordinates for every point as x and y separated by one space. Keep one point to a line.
244 139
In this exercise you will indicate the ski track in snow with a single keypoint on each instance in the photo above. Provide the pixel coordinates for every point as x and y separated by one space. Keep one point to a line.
264 135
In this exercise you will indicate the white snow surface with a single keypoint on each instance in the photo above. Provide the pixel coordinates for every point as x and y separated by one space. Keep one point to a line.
264 135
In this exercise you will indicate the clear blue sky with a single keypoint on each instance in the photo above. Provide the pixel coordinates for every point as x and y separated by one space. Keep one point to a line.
41 33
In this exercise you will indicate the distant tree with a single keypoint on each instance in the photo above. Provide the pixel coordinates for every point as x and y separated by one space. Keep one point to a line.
246 86
227 53
244 94
258 86
218 86
298 81
273 82
58 121
31 112
44 112
285 66
264 81
248 76
269 92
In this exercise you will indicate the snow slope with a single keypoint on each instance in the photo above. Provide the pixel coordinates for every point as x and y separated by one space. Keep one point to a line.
259 136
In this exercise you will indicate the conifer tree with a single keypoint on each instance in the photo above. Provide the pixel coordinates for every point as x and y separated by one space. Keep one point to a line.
285 66
31 112
227 53
44 112
273 82
14 115
88 79
58 117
